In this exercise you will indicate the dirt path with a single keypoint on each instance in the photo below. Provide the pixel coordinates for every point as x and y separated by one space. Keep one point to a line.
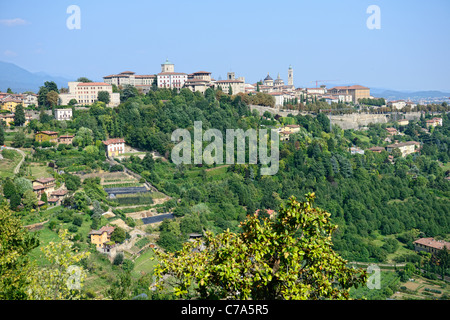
17 168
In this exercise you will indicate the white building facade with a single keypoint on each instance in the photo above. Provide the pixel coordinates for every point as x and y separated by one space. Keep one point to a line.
63 114
86 93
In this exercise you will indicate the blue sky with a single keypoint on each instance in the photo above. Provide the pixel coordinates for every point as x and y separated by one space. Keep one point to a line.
322 40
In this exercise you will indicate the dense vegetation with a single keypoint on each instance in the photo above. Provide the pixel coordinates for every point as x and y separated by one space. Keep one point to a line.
366 194
378 203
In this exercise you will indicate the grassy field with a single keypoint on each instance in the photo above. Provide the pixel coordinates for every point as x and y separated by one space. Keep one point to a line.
45 237
446 166
144 264
39 170
11 159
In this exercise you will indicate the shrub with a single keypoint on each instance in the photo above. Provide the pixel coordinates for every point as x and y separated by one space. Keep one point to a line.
73 229
78 221
118 259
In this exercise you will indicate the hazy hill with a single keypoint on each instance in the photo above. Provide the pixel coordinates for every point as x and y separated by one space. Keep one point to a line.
414 96
20 80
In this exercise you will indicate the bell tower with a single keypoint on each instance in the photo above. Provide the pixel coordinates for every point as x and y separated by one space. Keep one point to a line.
290 76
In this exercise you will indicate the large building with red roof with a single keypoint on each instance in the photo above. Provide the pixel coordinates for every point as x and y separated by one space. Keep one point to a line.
356 91
430 245
86 93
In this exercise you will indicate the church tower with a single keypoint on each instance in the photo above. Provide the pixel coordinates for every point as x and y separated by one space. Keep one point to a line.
290 76
167 66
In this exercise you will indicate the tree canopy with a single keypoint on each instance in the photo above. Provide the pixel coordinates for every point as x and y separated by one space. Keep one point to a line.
288 257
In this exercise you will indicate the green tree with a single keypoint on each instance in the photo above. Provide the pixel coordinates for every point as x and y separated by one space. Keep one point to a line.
29 200
83 79
19 139
22 185
9 90
72 182
120 288
51 86
2 135
289 257
84 137
128 91
73 102
62 278
19 116
15 201
103 96
9 188
15 267
97 208
52 98
42 97
118 235
44 198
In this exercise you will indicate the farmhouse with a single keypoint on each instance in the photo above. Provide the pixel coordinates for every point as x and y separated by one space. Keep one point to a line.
42 185
66 139
284 135
404 147
434 122
51 136
101 236
392 131
292 128
114 147
430 245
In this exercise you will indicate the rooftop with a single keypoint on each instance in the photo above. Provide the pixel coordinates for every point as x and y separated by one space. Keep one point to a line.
48 132
84 84
403 144
45 180
112 141
107 229
430 242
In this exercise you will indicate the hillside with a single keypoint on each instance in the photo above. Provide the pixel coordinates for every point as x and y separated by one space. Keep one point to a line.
21 80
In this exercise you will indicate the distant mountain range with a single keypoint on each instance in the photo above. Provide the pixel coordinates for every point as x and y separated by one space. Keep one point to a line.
416 96
21 80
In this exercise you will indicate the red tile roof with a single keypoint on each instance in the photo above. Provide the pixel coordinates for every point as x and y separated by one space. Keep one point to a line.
112 141
51 133
403 144
269 212
59 193
145 76
229 81
430 242
45 180
107 229
83 84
